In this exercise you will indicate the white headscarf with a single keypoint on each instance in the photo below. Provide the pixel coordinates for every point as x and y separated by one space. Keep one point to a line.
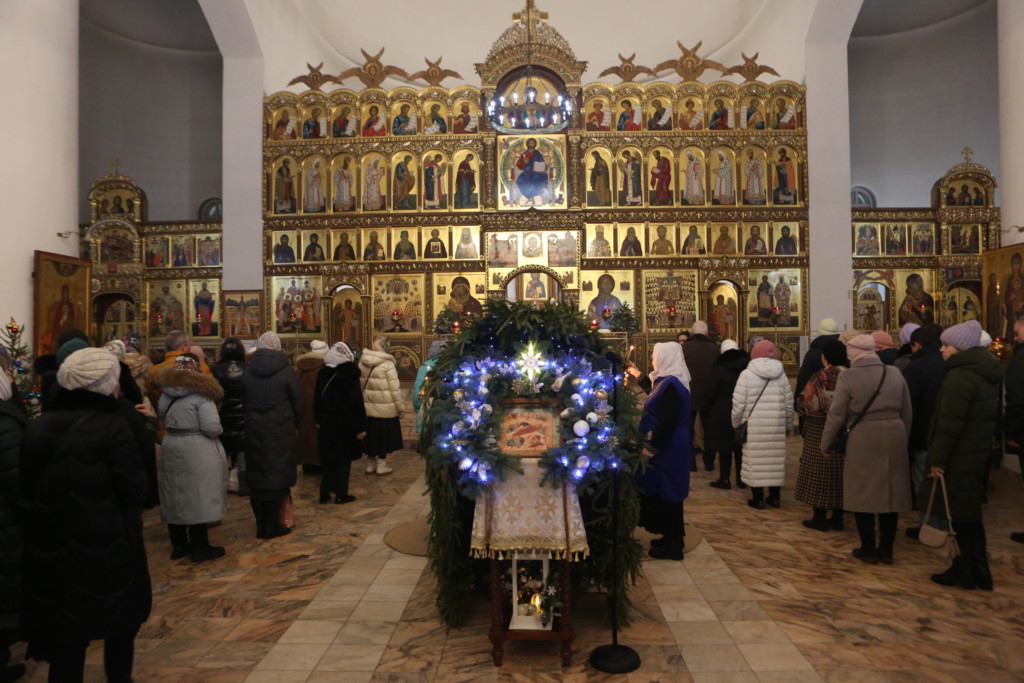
338 354
729 345
668 361
5 386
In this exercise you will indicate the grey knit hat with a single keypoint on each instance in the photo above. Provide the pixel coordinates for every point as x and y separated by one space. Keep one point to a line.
963 336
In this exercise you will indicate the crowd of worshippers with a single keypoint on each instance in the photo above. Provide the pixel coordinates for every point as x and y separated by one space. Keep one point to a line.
118 434
884 426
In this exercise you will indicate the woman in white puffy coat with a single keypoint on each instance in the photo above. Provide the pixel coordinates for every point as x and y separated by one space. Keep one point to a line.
385 408
769 419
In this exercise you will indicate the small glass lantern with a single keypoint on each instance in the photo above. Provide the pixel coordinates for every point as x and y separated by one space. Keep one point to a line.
529 581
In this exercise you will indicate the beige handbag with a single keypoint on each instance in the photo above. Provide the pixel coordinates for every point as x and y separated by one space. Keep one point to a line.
933 536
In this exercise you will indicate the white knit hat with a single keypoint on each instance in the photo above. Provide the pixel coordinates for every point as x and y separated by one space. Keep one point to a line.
318 345
269 340
729 345
117 348
95 370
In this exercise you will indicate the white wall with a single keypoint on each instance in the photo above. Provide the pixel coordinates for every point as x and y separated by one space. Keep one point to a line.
156 109
917 98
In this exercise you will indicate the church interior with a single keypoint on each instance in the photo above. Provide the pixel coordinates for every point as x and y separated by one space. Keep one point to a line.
232 167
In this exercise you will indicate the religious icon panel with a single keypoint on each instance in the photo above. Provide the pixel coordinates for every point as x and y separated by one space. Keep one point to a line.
297 304
692 180
283 244
659 114
531 172
284 194
773 300
242 313
404 119
348 316
752 114
964 238
662 239
922 241
398 302
691 114
436 195
630 238
315 191
695 239
872 306
436 244
916 300
467 120
345 123
286 125
374 121
204 311
866 241
343 184
345 245
661 182
533 245
503 250
895 239
156 251
405 174
466 180
784 114
753 237
374 242
598 114
724 239
165 301
374 185
599 177
961 302
723 115
1003 275
314 245
183 251
785 177
629 173
563 249
754 180
435 118
602 292
208 252
62 298
723 311
785 238
598 243
722 166
117 244
630 115
670 300
461 293
406 243
315 124
466 242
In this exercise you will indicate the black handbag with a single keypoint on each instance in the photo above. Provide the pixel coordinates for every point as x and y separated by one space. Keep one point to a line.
838 445
740 433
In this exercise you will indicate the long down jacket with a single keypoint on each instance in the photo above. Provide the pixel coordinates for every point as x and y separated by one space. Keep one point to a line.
876 468
308 366
963 425
12 431
379 380
232 408
718 431
193 488
85 574
273 405
764 453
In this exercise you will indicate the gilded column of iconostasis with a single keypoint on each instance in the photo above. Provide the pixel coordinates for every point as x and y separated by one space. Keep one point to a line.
941 264
682 200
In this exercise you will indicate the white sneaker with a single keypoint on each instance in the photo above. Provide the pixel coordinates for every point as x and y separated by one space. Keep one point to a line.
382 467
371 466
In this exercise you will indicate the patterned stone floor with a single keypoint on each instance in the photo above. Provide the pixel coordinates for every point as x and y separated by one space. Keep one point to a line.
762 599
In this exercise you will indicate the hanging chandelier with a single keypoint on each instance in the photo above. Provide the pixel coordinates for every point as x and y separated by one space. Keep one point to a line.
510 112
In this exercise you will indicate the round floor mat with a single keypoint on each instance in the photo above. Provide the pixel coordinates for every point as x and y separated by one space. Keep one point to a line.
409 538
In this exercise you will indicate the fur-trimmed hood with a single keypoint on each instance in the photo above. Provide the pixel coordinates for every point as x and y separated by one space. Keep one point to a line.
175 382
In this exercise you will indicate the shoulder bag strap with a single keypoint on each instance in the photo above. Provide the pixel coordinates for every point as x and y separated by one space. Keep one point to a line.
945 499
868 406
367 380
756 400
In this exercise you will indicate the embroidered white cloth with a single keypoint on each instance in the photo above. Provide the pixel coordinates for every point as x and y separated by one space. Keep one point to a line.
520 515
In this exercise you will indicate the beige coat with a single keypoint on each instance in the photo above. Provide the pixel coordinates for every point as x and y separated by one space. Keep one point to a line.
378 378
876 469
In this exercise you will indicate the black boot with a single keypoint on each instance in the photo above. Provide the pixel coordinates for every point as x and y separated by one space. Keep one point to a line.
774 498
179 541
868 551
199 539
257 512
757 497
836 520
271 527
739 468
982 574
671 549
819 522
960 573
887 522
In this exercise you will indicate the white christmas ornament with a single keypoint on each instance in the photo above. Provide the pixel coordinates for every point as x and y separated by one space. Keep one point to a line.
581 428
592 418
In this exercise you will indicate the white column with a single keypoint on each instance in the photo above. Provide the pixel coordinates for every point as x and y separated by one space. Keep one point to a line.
242 142
39 173
1009 26
828 151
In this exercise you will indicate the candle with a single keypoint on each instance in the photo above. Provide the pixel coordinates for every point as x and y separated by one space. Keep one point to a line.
537 601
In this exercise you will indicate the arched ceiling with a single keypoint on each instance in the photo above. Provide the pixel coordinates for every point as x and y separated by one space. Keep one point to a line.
294 32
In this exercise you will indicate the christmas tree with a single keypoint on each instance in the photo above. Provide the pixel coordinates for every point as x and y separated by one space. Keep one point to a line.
20 366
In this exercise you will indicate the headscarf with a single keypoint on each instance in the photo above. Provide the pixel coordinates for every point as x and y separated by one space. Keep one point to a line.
5 387
729 345
338 354
269 340
132 344
764 349
382 344
318 345
186 362
117 348
699 327
860 346
752 341
668 361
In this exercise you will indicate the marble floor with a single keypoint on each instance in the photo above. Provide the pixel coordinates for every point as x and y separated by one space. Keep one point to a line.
761 599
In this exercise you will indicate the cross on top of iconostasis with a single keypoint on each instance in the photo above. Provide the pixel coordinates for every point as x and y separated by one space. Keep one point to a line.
967 152
115 165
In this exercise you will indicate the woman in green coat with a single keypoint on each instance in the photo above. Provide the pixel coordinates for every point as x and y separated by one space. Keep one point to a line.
962 428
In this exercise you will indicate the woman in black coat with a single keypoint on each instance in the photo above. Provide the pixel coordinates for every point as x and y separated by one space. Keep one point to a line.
85 573
718 430
229 373
341 419
273 405
12 431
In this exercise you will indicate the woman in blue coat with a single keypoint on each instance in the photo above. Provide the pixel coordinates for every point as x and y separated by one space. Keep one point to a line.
665 484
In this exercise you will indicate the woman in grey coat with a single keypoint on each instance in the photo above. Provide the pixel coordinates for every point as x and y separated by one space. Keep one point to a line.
876 469
193 466
273 406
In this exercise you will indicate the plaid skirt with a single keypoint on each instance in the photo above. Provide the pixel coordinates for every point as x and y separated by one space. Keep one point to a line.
819 482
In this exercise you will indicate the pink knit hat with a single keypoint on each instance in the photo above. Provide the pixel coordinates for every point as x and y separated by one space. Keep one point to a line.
883 340
764 349
860 346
